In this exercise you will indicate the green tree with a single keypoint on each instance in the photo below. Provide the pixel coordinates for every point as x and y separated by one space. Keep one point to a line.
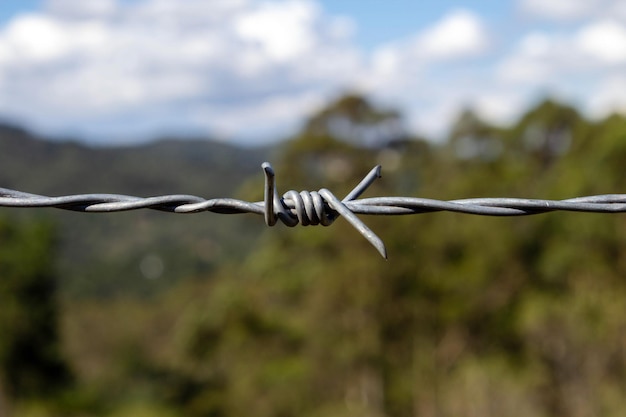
31 362
470 316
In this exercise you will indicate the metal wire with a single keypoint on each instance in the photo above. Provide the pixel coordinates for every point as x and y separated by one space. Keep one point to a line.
315 208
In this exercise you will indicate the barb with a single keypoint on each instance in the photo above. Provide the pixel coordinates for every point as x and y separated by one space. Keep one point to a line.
316 207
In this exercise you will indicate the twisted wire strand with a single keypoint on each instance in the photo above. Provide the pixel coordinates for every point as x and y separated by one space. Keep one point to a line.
316 207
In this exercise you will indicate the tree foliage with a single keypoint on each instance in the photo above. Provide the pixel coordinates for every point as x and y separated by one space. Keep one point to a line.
470 316
31 362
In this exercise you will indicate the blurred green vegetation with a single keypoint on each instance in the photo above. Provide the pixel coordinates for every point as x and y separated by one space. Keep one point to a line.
470 316
101 256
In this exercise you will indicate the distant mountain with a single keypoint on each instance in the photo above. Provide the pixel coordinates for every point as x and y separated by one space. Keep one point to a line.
197 165
107 254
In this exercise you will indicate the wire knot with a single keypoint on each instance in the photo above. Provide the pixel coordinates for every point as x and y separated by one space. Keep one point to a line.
305 208
316 207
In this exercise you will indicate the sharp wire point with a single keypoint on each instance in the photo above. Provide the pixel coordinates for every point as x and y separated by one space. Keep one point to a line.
361 227
270 191
364 184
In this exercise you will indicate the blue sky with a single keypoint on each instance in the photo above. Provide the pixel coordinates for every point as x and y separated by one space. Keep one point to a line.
118 71
381 21
9 8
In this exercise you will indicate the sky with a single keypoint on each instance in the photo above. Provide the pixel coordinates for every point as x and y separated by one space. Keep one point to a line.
250 71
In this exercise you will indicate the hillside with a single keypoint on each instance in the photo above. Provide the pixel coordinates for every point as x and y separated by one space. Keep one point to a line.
102 255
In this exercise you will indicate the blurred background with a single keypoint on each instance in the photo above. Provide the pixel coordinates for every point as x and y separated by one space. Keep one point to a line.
152 314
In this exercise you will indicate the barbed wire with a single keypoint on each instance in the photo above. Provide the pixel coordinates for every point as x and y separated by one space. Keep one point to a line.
316 207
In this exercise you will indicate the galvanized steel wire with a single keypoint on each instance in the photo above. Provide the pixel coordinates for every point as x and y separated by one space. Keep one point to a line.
316 207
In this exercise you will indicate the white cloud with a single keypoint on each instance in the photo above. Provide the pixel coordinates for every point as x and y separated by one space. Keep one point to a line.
284 32
573 10
81 9
582 64
609 97
35 38
402 68
549 58
75 67
534 60
500 106
562 60
261 118
434 120
558 9
604 40
459 34
432 75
